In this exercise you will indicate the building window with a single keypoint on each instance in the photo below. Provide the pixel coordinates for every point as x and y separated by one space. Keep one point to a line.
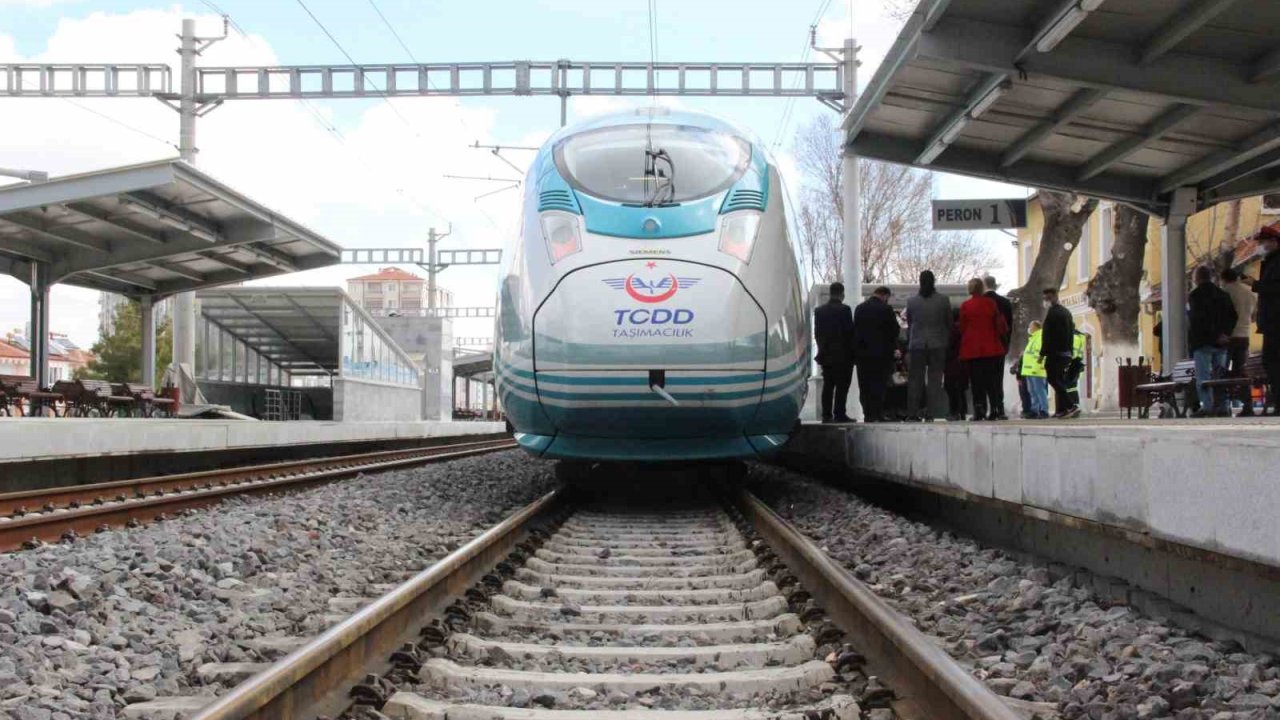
1108 240
1083 252
389 288
1271 204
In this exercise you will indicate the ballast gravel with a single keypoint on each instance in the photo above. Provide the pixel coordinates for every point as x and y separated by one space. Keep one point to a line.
125 616
1026 634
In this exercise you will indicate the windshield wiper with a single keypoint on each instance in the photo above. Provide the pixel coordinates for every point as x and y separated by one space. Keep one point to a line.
664 183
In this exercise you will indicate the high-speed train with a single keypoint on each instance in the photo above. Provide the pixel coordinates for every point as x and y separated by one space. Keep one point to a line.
651 308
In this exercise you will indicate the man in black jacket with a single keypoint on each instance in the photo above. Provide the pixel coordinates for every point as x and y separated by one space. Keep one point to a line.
1058 336
833 330
1006 309
1267 286
875 338
1211 319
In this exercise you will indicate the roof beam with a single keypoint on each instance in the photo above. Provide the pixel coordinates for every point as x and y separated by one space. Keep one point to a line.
1267 181
1036 173
271 257
307 314
1223 160
1184 22
1121 150
1073 108
89 211
1265 161
17 246
176 268
64 235
1189 79
222 259
281 337
975 104
173 216
1266 68
128 278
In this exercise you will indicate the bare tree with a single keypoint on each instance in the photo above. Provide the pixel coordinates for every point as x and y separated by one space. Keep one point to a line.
900 10
897 237
1113 291
1064 218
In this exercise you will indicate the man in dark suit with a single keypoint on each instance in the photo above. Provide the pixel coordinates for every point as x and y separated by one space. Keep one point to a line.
1267 286
875 338
1006 309
833 329
1056 347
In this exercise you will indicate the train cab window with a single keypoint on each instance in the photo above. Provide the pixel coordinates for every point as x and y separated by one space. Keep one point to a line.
652 164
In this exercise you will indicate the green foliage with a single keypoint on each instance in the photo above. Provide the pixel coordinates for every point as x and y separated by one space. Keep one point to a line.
118 356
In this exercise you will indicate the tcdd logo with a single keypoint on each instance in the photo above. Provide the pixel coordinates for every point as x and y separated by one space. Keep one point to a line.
653 291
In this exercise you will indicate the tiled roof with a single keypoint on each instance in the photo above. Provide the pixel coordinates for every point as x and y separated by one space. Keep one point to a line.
389 273
11 351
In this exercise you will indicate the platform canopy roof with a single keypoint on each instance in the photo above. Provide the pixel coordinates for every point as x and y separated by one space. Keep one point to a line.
297 328
1120 99
154 229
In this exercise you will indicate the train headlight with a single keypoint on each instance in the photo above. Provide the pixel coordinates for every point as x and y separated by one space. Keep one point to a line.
560 230
738 234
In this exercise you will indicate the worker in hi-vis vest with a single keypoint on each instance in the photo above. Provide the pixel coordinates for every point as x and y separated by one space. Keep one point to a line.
1076 368
1034 374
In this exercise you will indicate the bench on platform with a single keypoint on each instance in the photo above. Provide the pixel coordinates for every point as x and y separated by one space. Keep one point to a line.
1253 374
1166 388
93 398
145 401
23 395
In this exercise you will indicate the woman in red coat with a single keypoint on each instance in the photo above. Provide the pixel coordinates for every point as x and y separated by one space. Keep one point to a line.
981 328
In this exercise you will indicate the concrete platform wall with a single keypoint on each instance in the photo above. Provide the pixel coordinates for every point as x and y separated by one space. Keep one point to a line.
363 401
1190 513
1216 488
28 439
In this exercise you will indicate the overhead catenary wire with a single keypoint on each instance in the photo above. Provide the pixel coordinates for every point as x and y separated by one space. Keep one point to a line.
115 121
788 107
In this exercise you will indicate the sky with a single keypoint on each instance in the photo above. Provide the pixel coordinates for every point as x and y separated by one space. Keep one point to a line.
371 173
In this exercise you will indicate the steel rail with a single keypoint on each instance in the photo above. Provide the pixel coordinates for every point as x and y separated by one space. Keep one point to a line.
929 682
316 678
46 499
55 525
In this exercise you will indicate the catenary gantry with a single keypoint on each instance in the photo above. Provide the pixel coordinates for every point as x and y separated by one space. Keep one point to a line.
1167 105
147 231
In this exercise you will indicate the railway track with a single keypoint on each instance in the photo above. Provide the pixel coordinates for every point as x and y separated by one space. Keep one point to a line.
558 613
50 515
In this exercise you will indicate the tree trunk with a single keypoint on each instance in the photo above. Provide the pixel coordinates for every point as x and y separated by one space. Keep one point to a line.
1114 296
1063 223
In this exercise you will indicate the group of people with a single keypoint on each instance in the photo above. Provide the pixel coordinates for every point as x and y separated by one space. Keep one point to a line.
1219 321
949 353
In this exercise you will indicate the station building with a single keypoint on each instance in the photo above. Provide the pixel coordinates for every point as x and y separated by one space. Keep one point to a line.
1226 228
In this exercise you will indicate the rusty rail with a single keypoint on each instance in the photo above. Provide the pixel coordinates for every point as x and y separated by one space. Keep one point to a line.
88 508
928 682
316 678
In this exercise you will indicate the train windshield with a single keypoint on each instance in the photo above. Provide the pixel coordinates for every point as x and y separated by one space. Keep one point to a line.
652 164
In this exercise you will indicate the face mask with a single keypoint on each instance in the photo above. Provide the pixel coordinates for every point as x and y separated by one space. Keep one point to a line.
1047 304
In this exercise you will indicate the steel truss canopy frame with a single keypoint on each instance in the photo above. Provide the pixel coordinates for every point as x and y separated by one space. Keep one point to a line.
1128 100
418 256
560 78
295 328
154 229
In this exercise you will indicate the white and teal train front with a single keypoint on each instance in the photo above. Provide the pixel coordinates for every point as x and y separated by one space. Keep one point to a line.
651 308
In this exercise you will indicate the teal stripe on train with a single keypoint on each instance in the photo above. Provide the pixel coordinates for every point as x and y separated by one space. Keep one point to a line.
583 378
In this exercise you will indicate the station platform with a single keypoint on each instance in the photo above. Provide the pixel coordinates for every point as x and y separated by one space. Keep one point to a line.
50 452
1186 509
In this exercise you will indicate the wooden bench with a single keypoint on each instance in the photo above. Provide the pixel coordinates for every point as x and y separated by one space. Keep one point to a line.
1165 389
146 404
1254 374
28 399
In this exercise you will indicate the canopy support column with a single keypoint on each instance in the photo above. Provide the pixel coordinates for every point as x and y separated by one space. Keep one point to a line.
39 338
147 306
1173 278
851 260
